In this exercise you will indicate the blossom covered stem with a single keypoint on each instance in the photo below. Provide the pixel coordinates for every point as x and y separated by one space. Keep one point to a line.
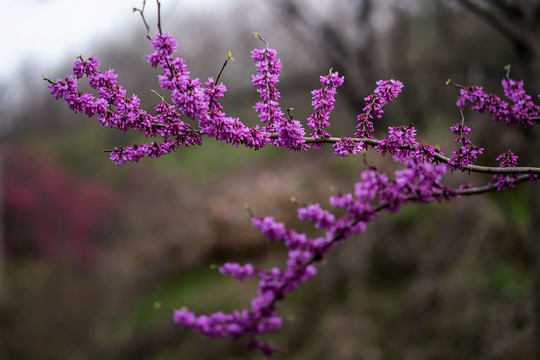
323 104
418 179
276 284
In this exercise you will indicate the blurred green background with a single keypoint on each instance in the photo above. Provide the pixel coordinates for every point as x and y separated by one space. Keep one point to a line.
88 247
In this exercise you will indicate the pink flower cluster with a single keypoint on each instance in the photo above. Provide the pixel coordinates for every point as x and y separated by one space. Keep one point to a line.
503 181
268 68
400 142
467 153
323 104
346 146
116 110
385 93
215 123
290 131
521 112
187 94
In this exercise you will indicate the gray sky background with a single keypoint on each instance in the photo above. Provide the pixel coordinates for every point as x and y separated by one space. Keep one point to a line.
44 32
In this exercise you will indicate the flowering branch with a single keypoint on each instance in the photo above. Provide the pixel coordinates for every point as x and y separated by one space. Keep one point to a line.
419 179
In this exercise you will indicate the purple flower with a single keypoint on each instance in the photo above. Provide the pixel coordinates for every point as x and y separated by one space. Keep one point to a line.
426 153
385 92
191 103
460 129
323 219
175 75
122 155
295 241
291 135
521 112
323 104
165 45
372 183
61 88
467 153
268 68
256 139
272 230
237 271
216 124
400 142
503 181
106 79
464 156
346 146
342 201
88 68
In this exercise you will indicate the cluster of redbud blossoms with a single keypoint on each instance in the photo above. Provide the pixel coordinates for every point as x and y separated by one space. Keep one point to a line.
419 181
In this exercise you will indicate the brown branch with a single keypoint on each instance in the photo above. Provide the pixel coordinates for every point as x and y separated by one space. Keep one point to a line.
159 16
489 188
141 11
439 157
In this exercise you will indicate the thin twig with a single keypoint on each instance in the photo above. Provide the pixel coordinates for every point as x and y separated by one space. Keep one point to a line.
161 97
259 36
450 82
141 11
159 16
229 57
48 80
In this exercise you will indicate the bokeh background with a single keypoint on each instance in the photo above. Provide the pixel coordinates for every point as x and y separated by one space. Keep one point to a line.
88 247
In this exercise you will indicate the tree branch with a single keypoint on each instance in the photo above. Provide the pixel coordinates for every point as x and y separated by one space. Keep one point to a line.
141 11
439 157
